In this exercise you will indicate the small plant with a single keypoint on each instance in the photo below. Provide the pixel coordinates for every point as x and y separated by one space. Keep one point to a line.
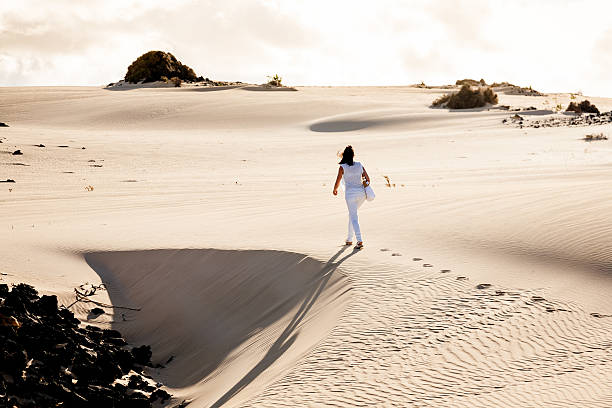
164 79
572 96
582 107
176 81
467 98
467 81
387 181
441 100
595 136
275 80
558 107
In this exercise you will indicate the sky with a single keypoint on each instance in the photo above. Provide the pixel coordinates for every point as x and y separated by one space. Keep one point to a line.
553 46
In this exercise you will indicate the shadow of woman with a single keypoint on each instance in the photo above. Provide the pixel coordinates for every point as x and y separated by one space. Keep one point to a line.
289 335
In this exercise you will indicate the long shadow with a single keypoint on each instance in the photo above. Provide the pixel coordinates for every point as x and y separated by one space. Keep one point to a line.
288 336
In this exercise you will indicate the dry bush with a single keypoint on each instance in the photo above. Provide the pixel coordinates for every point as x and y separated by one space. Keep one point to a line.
467 98
582 107
275 80
595 136
176 81
441 101
467 81
154 65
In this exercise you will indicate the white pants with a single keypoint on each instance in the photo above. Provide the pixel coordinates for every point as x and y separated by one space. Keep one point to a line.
354 199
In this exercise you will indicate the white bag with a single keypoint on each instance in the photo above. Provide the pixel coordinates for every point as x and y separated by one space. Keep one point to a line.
369 193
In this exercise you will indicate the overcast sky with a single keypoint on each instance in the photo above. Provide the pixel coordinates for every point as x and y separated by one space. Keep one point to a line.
563 46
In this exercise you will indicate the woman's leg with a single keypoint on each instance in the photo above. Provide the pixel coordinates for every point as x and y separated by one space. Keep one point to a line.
353 203
351 232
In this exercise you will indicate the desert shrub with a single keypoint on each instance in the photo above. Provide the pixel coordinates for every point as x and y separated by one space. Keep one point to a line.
154 65
275 80
582 107
176 81
467 98
595 136
489 96
164 78
441 100
470 82
498 84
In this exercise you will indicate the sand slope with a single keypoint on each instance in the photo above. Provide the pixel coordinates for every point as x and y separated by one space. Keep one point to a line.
471 202
231 321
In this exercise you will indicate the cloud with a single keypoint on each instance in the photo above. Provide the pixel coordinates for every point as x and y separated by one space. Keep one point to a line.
312 42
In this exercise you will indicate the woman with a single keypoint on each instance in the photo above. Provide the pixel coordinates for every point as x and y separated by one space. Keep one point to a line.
354 193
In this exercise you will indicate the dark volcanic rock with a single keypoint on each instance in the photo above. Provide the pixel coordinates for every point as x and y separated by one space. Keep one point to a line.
47 360
142 355
17 153
2 124
96 311
154 65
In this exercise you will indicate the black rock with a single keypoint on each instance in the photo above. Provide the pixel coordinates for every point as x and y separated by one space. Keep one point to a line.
47 305
97 311
160 394
40 145
111 334
17 153
2 124
142 355
47 360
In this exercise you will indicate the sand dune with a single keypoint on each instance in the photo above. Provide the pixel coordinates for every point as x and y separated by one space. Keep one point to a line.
485 279
217 313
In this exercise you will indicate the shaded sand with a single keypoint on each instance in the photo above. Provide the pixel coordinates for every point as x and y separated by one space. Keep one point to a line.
485 280
228 321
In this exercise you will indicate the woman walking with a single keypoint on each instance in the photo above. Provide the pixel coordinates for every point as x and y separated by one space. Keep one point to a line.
354 193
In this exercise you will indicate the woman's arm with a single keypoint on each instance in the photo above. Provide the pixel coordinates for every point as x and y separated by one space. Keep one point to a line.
338 178
365 174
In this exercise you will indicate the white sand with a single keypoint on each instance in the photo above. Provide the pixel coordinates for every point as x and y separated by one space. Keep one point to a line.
213 212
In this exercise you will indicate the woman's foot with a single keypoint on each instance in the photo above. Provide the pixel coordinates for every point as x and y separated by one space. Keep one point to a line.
359 245
347 243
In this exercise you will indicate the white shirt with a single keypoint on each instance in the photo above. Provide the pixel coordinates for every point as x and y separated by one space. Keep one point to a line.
352 176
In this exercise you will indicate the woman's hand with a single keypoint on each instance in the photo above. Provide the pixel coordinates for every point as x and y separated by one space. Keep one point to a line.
338 178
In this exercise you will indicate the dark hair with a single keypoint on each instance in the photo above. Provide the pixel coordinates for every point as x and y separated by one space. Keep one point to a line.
347 155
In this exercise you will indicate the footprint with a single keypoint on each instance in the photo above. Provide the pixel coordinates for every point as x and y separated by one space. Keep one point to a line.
537 298
426 265
417 259
396 254
445 270
384 249
462 278
499 293
483 286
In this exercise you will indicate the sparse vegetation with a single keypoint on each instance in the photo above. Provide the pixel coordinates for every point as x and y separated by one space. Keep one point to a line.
154 65
582 107
470 82
275 80
176 81
595 136
467 98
